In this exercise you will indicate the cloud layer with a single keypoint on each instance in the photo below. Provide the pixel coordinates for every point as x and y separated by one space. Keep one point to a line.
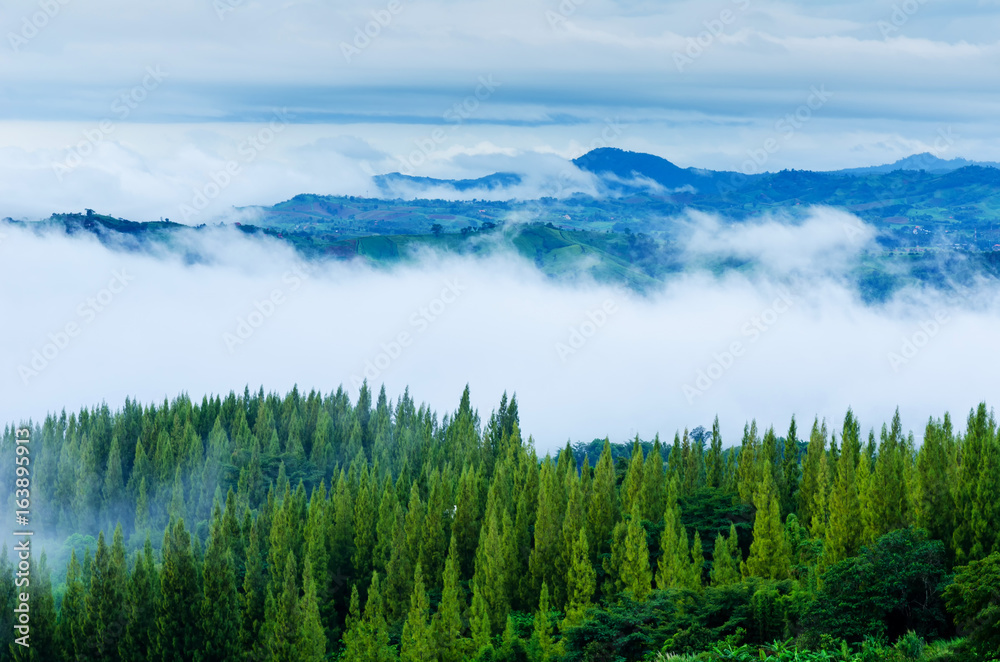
585 360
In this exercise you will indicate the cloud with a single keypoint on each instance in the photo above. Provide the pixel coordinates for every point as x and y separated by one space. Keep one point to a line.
586 360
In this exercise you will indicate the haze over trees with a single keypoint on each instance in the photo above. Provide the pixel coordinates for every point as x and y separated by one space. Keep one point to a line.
308 527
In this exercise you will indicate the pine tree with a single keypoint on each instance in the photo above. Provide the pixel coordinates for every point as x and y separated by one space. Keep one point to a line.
465 524
714 461
580 583
933 503
544 559
871 528
725 568
542 633
388 511
114 487
631 490
491 575
310 636
72 626
790 470
843 533
219 611
769 553
433 544
810 482
653 483
694 463
252 599
602 511
697 564
417 643
450 645
674 565
479 619
139 639
369 639
364 519
105 602
44 641
341 541
635 576
179 598
282 615
820 504
573 524
977 492
890 501
746 471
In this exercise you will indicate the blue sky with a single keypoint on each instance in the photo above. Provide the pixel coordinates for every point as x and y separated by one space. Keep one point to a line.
700 83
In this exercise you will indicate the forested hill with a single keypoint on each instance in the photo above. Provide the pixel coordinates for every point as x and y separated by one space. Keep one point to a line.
308 527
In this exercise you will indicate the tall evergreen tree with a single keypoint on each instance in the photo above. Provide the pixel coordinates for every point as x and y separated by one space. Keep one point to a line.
843 533
810 482
449 644
105 602
635 575
580 583
790 470
417 642
746 472
179 598
602 511
219 620
725 559
933 504
542 631
653 483
674 565
714 460
310 636
139 640
769 553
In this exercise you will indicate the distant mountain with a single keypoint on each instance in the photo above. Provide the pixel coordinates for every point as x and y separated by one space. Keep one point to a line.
621 169
392 181
926 161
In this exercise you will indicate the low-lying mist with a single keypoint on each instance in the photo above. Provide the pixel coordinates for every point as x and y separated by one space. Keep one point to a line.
87 323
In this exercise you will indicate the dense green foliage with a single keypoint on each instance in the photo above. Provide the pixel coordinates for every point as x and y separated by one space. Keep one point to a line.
308 527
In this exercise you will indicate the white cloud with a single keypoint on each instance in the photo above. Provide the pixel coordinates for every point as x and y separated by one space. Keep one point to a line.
165 333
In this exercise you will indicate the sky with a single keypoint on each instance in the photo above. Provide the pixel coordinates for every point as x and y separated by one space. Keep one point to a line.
129 109
132 109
